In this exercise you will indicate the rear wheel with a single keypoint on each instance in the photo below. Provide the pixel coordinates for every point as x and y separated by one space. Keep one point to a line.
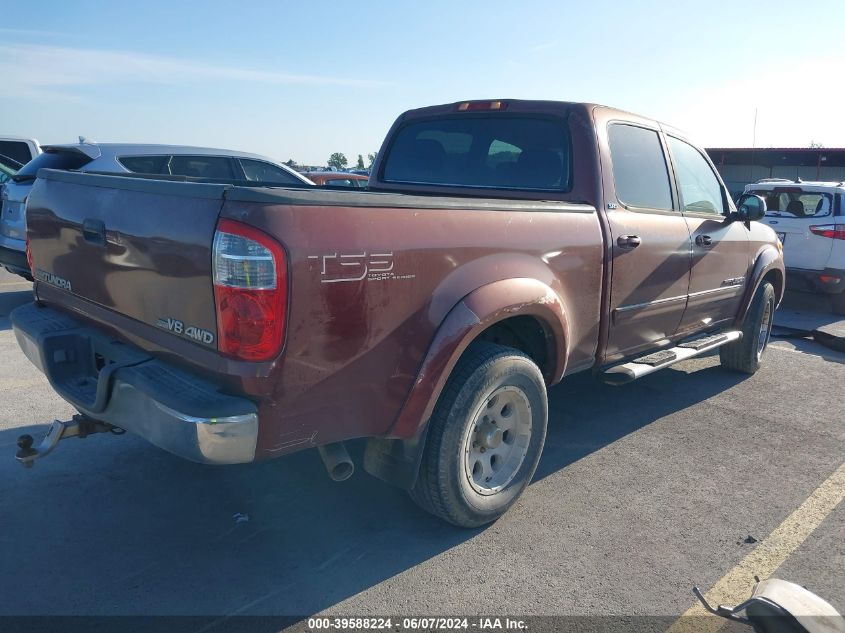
745 354
486 436
837 303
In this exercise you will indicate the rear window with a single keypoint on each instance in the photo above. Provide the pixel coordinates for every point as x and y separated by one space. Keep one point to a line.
145 164
795 202
52 159
491 151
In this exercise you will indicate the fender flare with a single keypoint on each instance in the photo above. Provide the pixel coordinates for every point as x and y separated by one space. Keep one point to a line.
396 457
768 259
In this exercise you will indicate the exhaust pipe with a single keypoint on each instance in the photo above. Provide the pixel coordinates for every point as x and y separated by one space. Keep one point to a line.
337 461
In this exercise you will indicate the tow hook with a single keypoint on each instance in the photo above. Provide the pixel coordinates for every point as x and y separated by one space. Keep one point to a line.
77 426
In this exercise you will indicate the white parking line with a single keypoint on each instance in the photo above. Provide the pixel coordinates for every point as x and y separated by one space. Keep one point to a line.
735 586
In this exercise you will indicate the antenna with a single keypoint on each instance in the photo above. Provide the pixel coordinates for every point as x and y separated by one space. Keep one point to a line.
754 133
754 144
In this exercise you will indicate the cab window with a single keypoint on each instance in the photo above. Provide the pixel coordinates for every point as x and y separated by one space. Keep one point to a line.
698 186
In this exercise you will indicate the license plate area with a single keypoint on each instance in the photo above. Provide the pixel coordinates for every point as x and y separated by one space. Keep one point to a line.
79 366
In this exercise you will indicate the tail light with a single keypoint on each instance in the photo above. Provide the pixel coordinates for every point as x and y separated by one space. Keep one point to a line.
477 106
250 291
29 258
833 231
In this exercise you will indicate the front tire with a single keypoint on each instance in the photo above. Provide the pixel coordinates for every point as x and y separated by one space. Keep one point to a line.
745 354
486 436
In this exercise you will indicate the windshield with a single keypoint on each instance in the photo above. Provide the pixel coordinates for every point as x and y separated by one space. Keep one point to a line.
496 151
52 159
795 202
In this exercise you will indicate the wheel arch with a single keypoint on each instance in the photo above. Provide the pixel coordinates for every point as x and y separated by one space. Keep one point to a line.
768 266
526 314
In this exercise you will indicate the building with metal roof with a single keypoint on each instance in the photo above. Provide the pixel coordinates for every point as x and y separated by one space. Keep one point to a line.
740 166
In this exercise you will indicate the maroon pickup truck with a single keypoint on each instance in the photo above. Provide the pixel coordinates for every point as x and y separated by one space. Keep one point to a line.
501 246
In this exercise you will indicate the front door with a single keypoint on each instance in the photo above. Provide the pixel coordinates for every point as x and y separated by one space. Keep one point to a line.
650 244
721 251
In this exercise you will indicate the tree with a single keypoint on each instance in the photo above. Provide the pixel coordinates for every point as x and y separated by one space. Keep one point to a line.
815 145
337 160
291 163
372 157
360 164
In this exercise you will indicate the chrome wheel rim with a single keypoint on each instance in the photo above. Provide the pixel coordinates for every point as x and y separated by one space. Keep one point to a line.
765 329
497 439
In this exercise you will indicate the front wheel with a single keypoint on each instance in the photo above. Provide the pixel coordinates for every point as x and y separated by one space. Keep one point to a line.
486 437
745 354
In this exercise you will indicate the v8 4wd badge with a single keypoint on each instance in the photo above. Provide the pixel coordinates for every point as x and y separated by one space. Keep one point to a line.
187 331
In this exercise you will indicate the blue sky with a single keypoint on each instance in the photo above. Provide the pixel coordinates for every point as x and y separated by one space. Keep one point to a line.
301 80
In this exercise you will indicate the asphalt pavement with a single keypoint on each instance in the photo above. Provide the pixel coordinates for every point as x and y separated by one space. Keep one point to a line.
642 492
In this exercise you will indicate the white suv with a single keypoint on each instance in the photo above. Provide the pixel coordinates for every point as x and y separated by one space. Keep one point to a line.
809 218
170 160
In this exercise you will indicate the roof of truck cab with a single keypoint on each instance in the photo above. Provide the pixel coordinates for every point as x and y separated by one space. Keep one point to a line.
539 105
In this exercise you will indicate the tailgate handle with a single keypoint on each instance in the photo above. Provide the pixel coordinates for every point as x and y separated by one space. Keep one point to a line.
94 231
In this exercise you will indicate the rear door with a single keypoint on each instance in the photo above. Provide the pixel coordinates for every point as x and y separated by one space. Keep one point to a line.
650 243
138 247
792 210
721 256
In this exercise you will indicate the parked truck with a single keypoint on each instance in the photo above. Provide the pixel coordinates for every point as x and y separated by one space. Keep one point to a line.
502 246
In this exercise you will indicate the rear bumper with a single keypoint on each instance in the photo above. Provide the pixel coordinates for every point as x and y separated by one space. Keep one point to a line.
113 382
828 281
13 258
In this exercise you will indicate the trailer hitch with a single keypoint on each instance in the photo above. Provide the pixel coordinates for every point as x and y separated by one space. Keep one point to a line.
77 426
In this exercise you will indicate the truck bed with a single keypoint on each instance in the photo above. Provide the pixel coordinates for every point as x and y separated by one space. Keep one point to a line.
372 276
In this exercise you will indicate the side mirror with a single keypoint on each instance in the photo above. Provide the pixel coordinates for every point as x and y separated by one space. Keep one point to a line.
750 207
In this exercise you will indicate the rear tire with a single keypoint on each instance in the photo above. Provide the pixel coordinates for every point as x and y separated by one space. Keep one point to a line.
837 303
486 436
745 354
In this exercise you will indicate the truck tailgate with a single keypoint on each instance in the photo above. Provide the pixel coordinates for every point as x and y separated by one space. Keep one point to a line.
139 247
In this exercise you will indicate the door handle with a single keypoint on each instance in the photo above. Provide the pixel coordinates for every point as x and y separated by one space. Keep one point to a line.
628 241
704 240
94 232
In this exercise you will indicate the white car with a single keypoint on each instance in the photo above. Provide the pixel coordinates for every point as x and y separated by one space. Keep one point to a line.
809 218
168 160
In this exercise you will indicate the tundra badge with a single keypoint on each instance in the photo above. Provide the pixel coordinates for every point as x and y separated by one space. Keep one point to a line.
53 280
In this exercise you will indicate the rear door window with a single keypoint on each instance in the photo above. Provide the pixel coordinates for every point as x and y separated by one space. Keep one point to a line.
52 159
259 171
202 166
639 167
145 164
489 151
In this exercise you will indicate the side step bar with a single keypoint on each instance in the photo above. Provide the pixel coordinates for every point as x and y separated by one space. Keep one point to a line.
645 365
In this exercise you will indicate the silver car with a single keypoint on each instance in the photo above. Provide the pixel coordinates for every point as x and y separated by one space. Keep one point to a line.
196 162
